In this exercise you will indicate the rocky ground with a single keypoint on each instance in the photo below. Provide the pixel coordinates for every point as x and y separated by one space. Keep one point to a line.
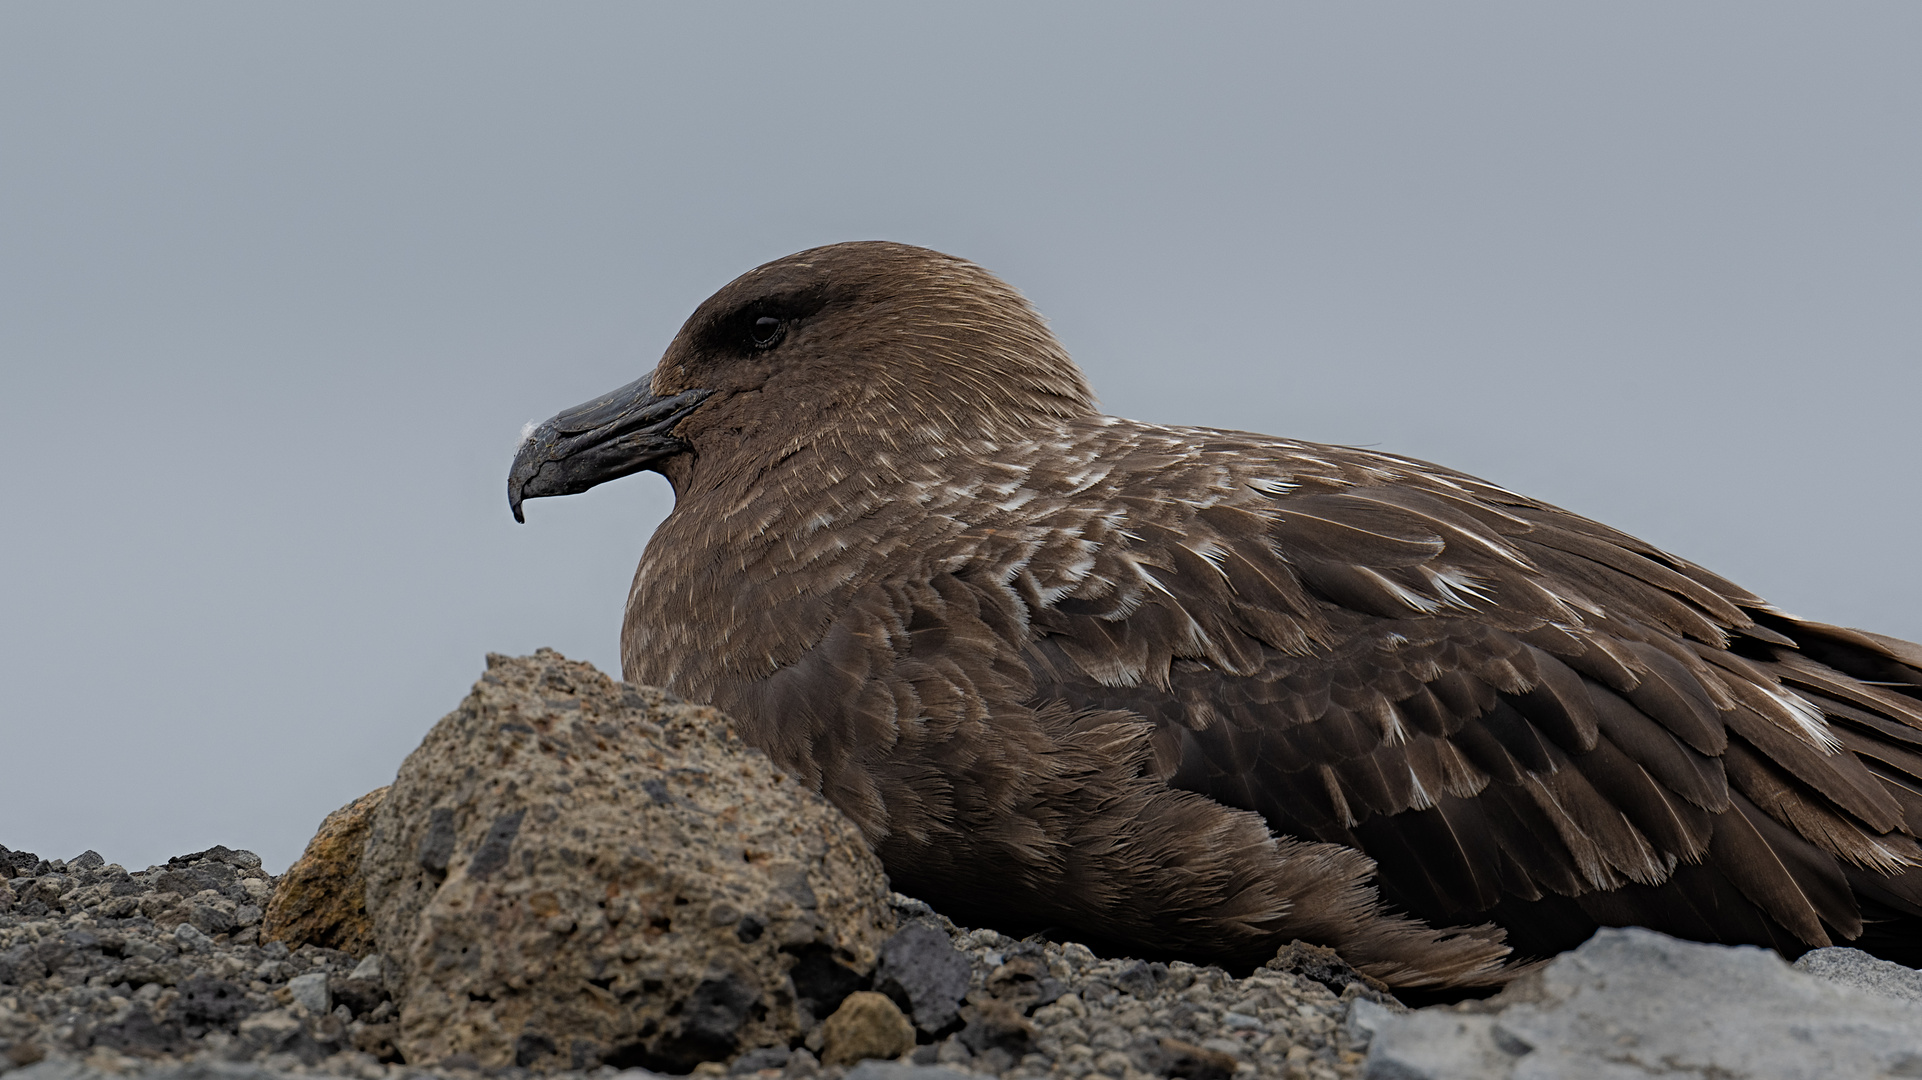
573 877
159 973
110 971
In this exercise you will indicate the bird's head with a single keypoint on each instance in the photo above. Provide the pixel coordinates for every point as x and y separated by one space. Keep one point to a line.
867 346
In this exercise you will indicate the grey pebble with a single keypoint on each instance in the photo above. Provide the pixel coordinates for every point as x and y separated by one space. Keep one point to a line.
191 937
310 992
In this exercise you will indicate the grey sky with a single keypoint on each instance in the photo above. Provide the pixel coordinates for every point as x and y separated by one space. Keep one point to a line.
280 283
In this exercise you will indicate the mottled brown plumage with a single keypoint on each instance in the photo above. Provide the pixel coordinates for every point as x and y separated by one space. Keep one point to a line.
1167 685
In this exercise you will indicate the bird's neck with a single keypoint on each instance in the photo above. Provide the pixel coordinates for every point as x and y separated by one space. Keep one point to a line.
755 562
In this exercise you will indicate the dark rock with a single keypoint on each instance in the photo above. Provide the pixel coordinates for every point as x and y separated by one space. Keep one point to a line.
1321 964
530 1047
492 853
86 860
17 863
715 1014
213 1002
1141 979
213 917
53 955
923 973
19 964
219 855
139 1034
996 1025
361 996
436 848
821 982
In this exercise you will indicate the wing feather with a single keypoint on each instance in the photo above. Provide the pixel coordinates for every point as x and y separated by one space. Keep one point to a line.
1519 714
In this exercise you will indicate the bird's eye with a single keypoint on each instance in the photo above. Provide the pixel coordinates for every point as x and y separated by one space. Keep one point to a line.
766 332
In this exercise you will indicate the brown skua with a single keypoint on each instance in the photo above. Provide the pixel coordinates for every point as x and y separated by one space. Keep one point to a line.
1199 693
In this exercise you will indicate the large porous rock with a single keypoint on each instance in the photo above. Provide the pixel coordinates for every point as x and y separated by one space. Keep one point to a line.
1632 1003
570 871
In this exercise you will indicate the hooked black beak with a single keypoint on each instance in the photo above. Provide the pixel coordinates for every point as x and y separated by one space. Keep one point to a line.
612 436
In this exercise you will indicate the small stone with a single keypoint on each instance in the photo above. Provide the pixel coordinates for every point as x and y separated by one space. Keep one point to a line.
270 1031
376 1039
86 860
310 992
923 973
1023 982
139 1034
190 938
1140 978
215 1002
952 1051
767 1057
370 968
801 1063
997 1025
867 1025
213 914
1321 964
356 995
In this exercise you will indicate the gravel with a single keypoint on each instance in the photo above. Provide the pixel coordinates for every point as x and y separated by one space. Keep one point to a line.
160 972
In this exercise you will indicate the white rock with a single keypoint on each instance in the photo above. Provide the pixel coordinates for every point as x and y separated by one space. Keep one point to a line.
1632 1004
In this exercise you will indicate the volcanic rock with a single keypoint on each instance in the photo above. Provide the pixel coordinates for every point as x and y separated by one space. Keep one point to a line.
570 871
923 973
319 900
